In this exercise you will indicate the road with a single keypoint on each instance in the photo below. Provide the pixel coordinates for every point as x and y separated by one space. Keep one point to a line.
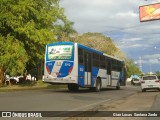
128 98
59 100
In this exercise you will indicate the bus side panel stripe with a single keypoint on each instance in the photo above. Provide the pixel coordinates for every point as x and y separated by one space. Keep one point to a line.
50 65
64 69
81 75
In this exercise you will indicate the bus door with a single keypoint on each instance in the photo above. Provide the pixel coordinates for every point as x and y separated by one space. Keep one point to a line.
88 67
109 74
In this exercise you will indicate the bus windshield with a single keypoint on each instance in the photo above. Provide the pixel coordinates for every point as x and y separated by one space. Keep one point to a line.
60 52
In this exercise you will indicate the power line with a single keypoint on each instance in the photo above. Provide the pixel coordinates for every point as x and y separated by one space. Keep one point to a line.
130 27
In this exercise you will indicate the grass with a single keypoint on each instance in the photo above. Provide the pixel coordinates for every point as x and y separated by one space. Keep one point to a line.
30 85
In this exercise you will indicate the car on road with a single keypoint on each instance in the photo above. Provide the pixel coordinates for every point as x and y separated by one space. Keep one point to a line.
135 81
149 82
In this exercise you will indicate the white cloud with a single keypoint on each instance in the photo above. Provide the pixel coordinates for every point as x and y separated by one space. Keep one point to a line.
150 59
151 62
91 14
154 56
131 39
118 20
110 17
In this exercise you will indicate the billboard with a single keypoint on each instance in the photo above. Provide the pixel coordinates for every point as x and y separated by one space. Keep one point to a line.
149 12
61 52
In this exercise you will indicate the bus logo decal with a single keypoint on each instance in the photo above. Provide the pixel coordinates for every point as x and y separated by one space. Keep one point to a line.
67 64
49 66
81 69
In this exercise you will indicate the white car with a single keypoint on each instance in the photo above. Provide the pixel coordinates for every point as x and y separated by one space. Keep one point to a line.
150 82
135 81
14 80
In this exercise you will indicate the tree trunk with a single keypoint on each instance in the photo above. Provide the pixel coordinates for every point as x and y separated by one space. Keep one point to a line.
40 70
2 81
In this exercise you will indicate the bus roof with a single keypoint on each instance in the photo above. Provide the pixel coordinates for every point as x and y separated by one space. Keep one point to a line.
61 43
90 49
98 52
86 48
113 57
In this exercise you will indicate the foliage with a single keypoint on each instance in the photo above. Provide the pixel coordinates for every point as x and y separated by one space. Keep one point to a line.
158 73
26 26
132 68
94 40
11 60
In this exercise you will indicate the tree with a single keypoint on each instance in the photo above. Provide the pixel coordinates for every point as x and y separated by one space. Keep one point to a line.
132 68
13 56
26 26
94 40
158 74
64 30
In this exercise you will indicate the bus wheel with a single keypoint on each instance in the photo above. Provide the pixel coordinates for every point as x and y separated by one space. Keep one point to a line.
98 85
73 87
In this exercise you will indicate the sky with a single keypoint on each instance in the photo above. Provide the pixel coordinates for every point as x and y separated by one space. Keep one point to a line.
119 20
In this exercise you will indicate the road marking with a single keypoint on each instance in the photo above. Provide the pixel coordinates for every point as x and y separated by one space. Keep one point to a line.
86 106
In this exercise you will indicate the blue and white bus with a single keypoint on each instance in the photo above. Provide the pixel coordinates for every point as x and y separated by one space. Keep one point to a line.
80 66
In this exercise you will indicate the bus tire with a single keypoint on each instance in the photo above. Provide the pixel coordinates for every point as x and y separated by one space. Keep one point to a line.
98 86
73 87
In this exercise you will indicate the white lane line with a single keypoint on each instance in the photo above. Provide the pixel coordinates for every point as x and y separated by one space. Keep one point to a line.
86 106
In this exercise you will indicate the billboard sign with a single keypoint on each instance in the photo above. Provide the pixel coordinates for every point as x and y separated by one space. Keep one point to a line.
149 12
62 52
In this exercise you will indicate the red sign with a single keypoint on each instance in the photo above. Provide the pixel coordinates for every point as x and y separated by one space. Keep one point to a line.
149 12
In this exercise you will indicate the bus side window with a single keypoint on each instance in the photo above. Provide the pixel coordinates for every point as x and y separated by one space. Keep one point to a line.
102 62
95 60
116 66
108 66
80 56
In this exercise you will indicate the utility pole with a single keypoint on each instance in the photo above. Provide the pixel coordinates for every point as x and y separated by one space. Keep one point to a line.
140 63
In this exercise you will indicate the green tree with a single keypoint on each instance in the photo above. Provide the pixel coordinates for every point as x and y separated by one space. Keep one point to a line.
64 30
11 61
158 74
94 40
26 26
132 68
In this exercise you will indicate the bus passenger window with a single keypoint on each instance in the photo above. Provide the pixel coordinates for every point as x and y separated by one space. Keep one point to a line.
102 62
80 56
95 60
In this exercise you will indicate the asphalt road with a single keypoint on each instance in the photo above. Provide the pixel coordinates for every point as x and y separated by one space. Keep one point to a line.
127 98
60 100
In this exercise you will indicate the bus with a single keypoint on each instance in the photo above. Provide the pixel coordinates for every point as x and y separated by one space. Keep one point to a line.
80 66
